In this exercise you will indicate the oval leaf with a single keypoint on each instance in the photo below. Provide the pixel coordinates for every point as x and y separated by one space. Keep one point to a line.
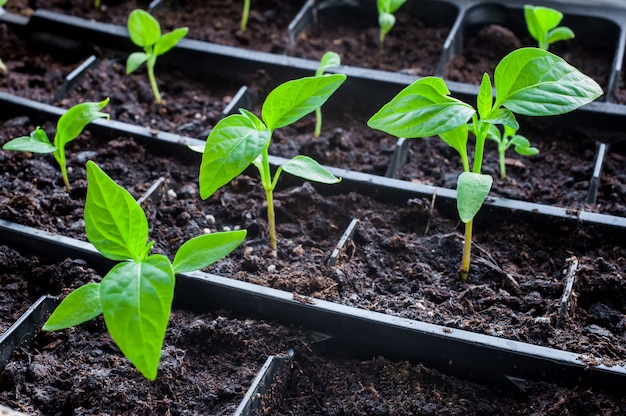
484 101
74 120
306 168
37 142
144 30
422 109
115 224
560 33
231 147
329 60
204 250
292 100
134 61
534 82
79 306
169 40
502 116
471 191
136 302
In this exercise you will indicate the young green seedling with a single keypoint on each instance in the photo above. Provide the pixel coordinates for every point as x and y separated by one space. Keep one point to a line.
69 126
386 19
145 32
3 68
244 15
505 140
136 295
543 25
528 81
243 139
329 60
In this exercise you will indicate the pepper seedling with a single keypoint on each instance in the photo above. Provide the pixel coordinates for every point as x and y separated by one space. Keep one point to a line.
145 32
386 19
245 12
242 139
329 60
528 81
69 126
543 25
135 297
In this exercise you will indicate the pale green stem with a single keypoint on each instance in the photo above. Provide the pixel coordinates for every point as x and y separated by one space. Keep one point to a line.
268 186
244 15
59 155
153 84
467 251
318 122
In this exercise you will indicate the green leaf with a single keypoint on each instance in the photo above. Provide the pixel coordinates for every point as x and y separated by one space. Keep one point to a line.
74 120
457 138
204 250
3 2
523 147
136 302
471 191
169 40
493 133
37 142
502 116
422 109
534 82
144 30
395 5
386 21
292 100
134 61
329 60
540 20
231 147
79 306
560 33
115 224
307 168
484 100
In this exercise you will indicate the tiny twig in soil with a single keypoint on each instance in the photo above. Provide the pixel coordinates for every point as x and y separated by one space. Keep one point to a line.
567 291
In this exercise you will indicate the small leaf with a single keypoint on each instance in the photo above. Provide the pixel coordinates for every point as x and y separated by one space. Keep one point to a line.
471 191
115 224
329 60
79 306
306 168
502 116
457 138
169 40
560 33
534 82
144 30
422 109
292 100
532 23
231 147
386 21
74 120
548 18
523 147
136 302
206 249
395 5
484 101
37 142
134 61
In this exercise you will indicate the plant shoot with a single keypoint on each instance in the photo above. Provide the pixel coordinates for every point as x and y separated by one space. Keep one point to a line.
244 15
543 25
239 140
135 297
528 81
3 68
386 19
145 32
329 60
69 126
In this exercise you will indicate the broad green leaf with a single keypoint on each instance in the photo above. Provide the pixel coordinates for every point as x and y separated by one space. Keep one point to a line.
534 82
169 40
502 116
306 168
560 33
457 138
136 300
422 109
74 120
79 306
134 61
484 100
292 100
37 142
115 224
329 60
231 147
471 191
386 21
523 147
204 250
144 30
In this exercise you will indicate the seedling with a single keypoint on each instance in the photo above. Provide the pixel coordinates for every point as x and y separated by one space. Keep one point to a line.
243 139
3 68
329 60
386 19
528 81
244 15
543 25
69 126
145 32
136 295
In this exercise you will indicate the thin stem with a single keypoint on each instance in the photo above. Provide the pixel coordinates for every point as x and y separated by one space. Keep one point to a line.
244 15
153 83
271 218
59 155
481 136
502 165
318 122
269 185
467 251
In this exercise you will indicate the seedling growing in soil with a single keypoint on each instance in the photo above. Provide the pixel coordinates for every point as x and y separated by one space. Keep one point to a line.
243 139
329 60
386 19
145 32
543 25
244 15
528 81
136 295
69 126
